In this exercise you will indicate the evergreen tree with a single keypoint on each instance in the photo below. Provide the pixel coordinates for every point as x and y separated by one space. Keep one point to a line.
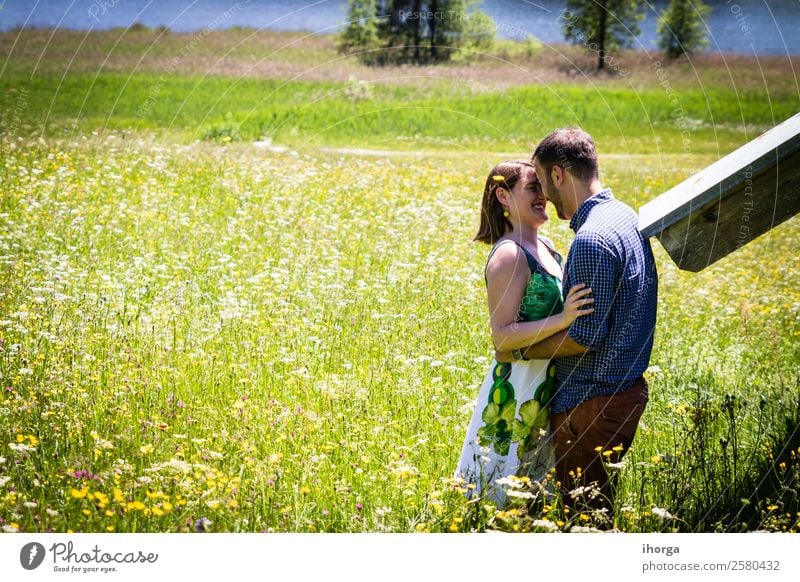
602 26
681 28
361 33
415 31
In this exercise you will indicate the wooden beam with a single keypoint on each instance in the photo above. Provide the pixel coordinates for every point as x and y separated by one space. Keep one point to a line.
731 202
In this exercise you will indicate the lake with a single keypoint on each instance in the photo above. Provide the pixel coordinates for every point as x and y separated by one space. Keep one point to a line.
738 26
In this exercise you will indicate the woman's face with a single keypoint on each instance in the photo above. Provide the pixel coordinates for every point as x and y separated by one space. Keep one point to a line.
527 203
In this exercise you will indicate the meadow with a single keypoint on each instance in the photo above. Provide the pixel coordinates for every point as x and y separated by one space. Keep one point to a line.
198 334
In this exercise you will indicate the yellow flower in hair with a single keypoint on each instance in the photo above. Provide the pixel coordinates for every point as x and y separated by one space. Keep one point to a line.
498 178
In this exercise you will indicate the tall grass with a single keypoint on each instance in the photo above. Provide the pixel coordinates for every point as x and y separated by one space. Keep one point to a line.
214 337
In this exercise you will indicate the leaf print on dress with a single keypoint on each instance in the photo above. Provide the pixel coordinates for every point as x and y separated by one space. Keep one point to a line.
498 415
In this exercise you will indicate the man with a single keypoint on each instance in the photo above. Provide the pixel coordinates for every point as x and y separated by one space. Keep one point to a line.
600 392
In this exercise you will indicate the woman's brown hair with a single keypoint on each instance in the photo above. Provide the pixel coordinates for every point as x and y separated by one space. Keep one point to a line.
493 223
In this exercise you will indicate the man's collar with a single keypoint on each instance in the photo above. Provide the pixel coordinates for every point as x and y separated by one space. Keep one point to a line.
583 212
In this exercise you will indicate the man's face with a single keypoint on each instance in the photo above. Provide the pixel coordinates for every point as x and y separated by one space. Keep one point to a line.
549 188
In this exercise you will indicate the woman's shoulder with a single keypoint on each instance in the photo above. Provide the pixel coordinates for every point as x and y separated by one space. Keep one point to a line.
505 254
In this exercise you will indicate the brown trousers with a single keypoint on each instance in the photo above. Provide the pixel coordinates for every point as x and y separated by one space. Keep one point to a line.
582 434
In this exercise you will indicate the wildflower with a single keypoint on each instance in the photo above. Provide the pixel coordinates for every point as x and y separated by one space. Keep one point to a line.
662 513
146 449
520 494
79 493
202 525
546 524
510 481
305 490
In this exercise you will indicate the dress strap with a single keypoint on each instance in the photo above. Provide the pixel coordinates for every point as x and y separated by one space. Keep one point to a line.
551 247
533 264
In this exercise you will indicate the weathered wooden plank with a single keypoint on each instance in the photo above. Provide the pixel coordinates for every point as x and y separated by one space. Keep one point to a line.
731 202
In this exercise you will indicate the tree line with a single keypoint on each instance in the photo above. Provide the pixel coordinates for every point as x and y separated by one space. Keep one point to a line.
381 32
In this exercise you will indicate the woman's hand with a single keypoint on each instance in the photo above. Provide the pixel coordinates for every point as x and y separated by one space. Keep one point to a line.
577 298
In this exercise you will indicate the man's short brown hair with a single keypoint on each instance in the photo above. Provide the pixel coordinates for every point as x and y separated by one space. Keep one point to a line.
570 148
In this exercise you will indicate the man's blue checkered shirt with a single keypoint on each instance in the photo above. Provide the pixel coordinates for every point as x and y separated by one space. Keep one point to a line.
610 256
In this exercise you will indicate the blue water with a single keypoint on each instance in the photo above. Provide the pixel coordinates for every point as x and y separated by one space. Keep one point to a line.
763 27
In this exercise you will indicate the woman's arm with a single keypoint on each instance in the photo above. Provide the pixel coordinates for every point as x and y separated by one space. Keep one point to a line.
507 276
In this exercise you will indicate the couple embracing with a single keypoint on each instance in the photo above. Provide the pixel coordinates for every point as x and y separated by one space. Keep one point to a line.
565 393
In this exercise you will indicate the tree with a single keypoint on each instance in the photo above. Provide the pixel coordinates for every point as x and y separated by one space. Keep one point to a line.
681 28
361 33
602 26
415 31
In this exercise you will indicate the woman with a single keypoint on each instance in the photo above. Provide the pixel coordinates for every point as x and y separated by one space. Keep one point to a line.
507 434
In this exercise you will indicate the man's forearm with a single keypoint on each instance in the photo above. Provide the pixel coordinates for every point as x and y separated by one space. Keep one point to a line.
556 346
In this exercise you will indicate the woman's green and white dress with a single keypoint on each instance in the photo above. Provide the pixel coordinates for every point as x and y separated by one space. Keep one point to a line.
508 434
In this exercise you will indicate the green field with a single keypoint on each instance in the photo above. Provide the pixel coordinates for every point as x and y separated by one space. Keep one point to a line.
194 327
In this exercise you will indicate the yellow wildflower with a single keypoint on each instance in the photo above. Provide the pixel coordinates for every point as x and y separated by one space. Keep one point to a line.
79 493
